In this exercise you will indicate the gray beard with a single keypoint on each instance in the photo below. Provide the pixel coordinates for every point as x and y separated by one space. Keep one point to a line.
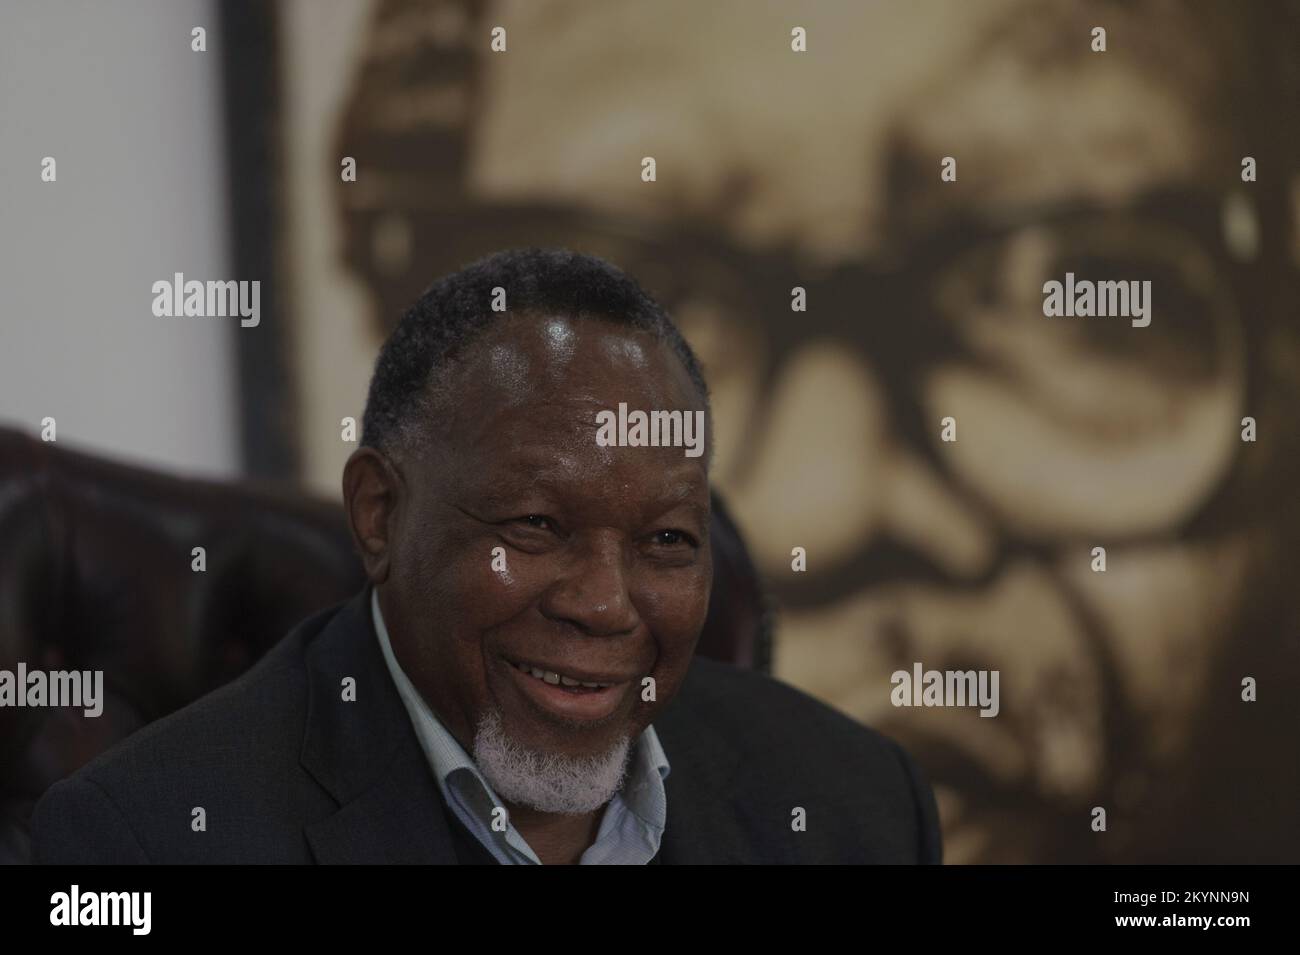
547 782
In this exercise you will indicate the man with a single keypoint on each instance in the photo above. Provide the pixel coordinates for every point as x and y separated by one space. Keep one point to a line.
517 683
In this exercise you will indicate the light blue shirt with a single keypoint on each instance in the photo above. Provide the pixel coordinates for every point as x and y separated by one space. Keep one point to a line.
630 829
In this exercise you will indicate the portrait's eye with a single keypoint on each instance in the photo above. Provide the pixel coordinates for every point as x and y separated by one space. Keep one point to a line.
536 521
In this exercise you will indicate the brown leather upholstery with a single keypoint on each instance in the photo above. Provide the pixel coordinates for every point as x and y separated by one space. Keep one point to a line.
95 574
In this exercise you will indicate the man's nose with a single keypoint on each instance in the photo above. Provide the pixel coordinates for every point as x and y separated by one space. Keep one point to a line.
593 594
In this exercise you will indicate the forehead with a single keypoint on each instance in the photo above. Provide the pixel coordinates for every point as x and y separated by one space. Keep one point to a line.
533 385
549 357
950 77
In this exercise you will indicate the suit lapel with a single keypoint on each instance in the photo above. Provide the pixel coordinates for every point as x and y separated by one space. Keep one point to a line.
704 825
366 755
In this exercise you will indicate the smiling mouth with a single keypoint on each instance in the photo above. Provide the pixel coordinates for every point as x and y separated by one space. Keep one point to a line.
557 678
585 697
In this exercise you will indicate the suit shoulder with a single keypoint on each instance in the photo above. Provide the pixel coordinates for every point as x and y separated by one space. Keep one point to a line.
872 801
764 712
228 766
70 809
256 717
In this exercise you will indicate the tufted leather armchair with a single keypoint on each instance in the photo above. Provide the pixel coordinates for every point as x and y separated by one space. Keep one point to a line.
95 574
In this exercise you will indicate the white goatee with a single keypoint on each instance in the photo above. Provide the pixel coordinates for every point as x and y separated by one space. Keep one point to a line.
547 782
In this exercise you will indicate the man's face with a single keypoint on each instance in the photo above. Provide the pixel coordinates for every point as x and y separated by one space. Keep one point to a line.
517 540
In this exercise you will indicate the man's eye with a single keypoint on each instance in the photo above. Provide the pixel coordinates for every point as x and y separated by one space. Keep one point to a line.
537 521
673 538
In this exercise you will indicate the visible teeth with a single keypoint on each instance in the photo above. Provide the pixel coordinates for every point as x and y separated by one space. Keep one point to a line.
555 679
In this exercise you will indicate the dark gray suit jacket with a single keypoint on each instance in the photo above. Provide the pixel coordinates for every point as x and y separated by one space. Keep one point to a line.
287 772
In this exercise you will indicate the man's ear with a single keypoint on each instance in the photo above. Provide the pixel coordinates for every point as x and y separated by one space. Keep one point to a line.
372 489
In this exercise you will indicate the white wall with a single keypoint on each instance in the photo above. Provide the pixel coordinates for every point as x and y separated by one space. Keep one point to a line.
133 118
